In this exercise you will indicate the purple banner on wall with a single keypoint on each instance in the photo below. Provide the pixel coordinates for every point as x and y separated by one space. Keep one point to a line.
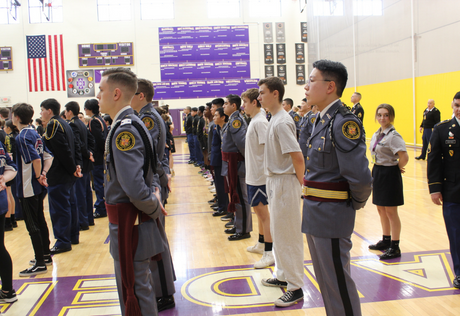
207 70
204 52
202 88
203 34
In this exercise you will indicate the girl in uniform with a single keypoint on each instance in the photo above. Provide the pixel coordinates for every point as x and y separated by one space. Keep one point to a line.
389 155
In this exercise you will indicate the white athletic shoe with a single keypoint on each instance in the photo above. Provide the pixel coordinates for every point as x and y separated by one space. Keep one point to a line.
257 248
266 261
211 187
213 190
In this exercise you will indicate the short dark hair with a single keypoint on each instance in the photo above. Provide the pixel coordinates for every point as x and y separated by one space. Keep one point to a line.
73 107
219 102
233 98
92 105
273 83
39 121
52 104
107 118
289 101
304 99
334 71
201 108
24 111
457 96
358 94
222 113
194 109
252 94
146 87
123 77
4 112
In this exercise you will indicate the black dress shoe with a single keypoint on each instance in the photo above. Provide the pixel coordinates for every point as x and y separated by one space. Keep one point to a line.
55 250
227 217
91 224
380 245
213 201
190 162
215 208
218 213
230 224
166 302
420 158
456 282
99 215
84 227
215 205
76 242
239 236
391 253
230 230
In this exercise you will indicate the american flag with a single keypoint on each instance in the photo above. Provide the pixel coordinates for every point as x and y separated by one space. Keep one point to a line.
45 57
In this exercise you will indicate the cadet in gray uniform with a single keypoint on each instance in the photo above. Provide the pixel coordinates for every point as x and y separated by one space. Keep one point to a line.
132 203
287 106
337 183
233 167
163 269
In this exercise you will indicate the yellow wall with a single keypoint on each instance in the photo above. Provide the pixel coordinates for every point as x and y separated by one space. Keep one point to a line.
440 87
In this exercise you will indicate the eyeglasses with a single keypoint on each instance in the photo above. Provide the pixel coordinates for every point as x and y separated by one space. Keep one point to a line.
310 81
137 93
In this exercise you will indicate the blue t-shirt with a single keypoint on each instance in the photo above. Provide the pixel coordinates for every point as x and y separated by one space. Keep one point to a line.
29 147
5 160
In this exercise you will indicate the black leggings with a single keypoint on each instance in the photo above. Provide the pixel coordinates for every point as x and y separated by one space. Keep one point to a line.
6 265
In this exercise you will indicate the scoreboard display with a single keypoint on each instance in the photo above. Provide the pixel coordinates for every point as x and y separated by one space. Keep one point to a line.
6 58
105 55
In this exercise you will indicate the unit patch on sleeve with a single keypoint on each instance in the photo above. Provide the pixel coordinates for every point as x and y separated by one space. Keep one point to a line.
125 141
236 124
351 130
149 123
296 118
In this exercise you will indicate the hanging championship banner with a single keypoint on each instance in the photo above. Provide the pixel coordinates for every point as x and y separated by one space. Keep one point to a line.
268 53
280 34
268 32
303 31
300 53
300 74
281 53
269 71
282 73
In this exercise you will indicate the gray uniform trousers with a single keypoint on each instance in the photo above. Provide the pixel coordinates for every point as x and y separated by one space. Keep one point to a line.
163 270
143 287
243 215
331 262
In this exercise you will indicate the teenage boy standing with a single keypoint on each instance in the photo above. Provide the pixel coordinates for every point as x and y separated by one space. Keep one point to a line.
284 166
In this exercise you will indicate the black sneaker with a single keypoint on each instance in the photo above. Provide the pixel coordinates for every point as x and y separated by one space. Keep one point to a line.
456 282
33 271
48 261
380 245
274 282
230 224
289 298
391 253
9 297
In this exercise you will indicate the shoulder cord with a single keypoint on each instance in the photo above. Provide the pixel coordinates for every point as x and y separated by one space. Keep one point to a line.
149 158
102 125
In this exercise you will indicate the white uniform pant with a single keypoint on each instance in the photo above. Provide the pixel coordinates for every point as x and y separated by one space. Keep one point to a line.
284 193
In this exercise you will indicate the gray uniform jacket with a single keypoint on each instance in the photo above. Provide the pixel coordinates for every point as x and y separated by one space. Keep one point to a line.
345 160
296 117
157 130
306 126
124 183
233 140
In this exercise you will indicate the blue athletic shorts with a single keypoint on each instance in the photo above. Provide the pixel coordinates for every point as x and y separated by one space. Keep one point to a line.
257 194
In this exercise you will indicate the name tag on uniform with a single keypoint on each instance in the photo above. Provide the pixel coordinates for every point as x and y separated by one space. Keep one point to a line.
451 141
125 121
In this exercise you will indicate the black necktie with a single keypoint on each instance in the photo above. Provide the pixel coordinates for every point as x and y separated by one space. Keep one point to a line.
318 119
